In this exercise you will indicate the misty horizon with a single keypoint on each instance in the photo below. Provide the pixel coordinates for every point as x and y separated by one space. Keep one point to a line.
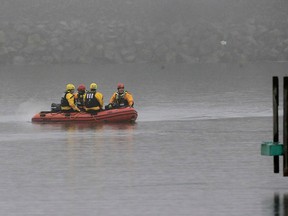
123 31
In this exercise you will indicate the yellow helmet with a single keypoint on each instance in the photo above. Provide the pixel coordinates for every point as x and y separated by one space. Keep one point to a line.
70 87
93 86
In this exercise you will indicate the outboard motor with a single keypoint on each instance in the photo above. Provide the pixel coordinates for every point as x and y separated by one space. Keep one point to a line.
55 107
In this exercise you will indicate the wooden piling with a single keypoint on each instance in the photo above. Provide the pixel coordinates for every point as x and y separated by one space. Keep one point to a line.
276 209
275 120
285 204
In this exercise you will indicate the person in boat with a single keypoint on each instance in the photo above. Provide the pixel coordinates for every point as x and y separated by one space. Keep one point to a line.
121 98
68 100
93 100
79 96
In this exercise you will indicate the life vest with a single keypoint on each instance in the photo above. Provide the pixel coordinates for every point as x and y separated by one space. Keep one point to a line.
120 99
80 100
64 101
90 100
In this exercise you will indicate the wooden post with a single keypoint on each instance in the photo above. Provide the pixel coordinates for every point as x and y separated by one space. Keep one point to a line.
285 127
285 204
276 209
275 120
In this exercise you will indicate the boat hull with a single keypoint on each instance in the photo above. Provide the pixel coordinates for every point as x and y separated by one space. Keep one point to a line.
114 115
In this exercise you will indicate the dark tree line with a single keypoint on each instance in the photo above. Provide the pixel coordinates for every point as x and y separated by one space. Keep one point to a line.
120 31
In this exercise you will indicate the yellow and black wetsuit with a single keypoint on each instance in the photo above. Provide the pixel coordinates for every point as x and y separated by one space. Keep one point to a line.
122 100
68 102
93 101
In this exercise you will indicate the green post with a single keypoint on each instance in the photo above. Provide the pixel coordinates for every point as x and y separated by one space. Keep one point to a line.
275 120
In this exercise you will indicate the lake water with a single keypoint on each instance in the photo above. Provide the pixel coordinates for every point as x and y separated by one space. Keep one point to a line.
194 150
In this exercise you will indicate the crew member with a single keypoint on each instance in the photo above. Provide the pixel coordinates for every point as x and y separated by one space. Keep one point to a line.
68 100
121 98
79 96
93 99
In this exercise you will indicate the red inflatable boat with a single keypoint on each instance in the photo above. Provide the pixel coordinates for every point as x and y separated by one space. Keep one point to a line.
126 114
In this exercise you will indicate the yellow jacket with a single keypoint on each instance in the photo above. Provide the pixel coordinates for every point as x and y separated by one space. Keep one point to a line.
93 101
126 98
68 102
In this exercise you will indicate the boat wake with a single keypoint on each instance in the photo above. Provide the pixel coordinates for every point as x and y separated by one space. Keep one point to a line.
23 112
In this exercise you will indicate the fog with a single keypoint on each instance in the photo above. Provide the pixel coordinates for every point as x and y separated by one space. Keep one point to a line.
133 31
153 10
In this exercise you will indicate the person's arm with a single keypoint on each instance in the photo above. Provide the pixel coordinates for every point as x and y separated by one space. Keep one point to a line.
112 99
70 98
75 96
130 99
99 97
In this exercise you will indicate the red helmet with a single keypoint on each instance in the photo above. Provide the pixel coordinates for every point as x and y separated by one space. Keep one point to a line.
81 88
120 85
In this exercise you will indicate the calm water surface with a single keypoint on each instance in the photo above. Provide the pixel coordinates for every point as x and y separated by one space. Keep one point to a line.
195 149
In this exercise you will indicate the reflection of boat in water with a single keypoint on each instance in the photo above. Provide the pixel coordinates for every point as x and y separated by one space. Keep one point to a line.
126 114
95 126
